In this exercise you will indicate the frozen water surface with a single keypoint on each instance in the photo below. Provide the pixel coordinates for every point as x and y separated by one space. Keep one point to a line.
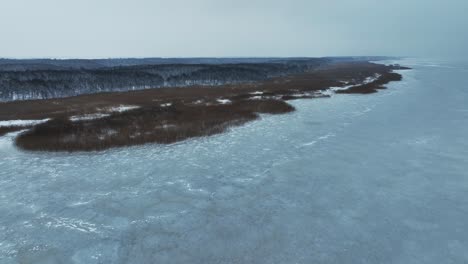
377 178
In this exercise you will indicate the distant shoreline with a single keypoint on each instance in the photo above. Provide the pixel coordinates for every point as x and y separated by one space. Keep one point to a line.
166 115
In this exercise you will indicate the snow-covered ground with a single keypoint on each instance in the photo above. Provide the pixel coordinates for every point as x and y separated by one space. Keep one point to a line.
6 123
105 112
331 91
376 178
88 117
223 101
122 108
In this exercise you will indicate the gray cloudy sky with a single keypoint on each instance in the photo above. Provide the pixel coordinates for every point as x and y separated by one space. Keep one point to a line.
181 28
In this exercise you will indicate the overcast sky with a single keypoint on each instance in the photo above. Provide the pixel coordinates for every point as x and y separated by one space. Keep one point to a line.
220 28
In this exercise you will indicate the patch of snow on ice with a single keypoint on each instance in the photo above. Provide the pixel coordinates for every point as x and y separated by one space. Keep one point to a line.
326 136
309 143
74 224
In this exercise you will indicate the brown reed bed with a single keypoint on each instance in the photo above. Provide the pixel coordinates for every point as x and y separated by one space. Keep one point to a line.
151 124
168 115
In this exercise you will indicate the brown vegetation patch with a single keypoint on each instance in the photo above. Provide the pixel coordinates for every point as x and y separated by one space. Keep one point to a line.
152 124
372 87
8 129
168 115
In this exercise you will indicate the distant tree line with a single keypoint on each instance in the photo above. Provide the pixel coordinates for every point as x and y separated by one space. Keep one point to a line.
44 83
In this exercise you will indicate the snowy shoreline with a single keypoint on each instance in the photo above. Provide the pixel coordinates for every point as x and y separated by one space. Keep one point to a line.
21 123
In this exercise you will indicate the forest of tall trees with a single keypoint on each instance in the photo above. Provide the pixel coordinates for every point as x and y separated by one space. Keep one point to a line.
43 79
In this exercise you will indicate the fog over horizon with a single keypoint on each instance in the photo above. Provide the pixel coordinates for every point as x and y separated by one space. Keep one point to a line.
221 28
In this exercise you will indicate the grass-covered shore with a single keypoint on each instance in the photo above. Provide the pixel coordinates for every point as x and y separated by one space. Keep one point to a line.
167 115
